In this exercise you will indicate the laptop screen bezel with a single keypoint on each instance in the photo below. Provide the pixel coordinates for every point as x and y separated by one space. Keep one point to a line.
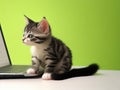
10 63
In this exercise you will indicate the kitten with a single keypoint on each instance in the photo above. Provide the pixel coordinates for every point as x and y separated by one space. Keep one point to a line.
50 54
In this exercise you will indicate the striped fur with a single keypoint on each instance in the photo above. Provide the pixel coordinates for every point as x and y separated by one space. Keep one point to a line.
50 53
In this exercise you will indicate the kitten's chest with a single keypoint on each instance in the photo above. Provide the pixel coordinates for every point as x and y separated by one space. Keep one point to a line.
39 51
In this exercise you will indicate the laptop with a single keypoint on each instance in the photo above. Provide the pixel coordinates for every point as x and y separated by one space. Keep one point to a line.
7 70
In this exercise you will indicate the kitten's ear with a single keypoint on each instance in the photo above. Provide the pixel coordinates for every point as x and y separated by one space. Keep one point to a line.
43 26
28 20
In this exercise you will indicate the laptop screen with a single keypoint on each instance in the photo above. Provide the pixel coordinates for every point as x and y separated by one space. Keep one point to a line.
4 59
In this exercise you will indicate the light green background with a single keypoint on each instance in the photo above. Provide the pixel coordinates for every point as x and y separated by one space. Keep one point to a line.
91 28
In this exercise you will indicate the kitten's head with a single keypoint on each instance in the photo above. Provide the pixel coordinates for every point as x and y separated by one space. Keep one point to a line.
36 32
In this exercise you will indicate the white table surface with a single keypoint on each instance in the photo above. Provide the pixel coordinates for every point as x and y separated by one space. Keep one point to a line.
104 80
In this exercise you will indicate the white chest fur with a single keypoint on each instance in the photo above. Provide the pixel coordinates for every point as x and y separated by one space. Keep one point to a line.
39 50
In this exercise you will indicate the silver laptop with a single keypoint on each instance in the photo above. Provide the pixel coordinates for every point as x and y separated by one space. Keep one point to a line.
7 70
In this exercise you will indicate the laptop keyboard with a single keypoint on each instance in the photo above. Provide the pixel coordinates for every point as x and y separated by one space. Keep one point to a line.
14 69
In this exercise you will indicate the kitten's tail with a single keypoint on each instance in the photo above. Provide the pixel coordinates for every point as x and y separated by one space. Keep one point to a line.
90 70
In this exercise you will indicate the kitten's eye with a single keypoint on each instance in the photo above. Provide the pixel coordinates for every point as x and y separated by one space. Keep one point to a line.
30 36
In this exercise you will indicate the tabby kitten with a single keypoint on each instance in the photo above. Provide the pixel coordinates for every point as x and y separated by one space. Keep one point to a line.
49 54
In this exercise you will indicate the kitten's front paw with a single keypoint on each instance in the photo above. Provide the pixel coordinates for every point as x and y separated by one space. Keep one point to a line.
46 76
30 71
